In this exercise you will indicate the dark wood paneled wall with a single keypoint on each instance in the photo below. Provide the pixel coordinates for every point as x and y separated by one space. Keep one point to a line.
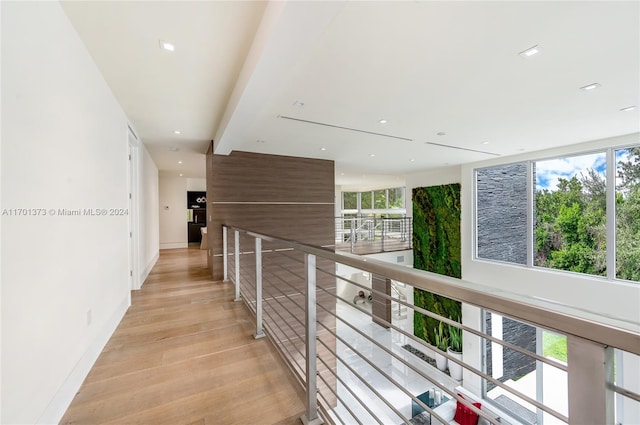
290 198
283 196
381 307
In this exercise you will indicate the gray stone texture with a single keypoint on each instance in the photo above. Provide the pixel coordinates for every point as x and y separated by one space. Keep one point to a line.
502 213
515 364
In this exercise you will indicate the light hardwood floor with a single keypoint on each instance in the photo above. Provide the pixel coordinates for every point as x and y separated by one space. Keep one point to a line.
184 354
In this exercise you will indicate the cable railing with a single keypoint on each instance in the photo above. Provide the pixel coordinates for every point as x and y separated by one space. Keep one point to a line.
360 363
366 235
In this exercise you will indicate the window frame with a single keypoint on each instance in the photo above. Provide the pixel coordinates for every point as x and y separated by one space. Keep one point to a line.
368 211
343 209
610 221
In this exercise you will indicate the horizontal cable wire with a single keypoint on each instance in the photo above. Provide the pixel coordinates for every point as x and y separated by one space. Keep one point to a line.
432 315
475 371
288 296
280 278
281 252
346 387
624 392
294 366
448 321
367 384
301 337
340 400
283 333
405 362
528 310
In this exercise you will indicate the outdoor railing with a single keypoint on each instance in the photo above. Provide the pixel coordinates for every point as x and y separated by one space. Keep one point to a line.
359 364
372 234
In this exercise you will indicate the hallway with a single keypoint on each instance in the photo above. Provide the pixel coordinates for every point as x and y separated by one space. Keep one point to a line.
184 354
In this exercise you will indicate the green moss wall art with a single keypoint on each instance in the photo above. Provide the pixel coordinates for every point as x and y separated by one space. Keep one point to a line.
436 248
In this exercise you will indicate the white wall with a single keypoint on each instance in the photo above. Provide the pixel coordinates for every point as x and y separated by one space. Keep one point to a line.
196 185
64 145
173 212
616 299
605 298
338 201
437 177
149 220
173 209
591 293
401 258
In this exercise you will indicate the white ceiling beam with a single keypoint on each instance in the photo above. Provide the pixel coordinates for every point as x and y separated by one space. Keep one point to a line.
288 30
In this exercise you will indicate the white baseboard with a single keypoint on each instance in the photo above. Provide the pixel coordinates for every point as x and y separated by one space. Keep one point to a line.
63 398
147 270
174 245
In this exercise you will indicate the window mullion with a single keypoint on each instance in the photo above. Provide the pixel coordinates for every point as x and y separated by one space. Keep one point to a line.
530 214
610 179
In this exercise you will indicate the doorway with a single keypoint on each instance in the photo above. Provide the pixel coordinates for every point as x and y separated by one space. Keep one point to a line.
133 193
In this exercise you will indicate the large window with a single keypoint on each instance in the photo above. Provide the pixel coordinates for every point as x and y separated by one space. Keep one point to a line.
366 200
561 222
380 199
517 370
349 200
396 197
570 212
628 214
377 200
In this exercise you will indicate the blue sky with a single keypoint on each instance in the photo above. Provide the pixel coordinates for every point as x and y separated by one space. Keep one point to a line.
548 172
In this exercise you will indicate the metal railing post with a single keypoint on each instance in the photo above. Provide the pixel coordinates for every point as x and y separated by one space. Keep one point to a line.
353 233
410 232
236 253
259 331
405 228
382 239
589 372
225 265
311 416
372 229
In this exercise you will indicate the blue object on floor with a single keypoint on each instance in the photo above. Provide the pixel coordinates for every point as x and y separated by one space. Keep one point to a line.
416 409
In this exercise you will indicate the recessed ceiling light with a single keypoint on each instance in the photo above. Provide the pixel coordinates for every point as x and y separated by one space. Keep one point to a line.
180 174
484 142
176 131
628 108
342 174
165 45
412 160
531 51
323 149
173 149
371 155
590 87
382 121
179 162
441 133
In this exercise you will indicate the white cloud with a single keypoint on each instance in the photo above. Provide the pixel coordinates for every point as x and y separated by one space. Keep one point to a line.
549 172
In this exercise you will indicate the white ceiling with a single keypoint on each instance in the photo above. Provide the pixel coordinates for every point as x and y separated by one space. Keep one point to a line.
241 68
